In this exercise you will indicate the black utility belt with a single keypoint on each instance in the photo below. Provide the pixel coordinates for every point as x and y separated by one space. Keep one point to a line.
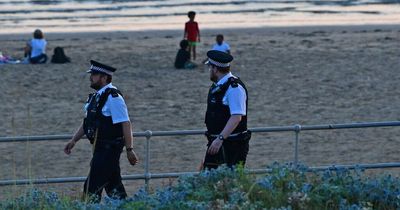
114 141
242 136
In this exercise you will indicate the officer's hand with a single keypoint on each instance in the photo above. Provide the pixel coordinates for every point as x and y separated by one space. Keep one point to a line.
68 147
132 157
215 146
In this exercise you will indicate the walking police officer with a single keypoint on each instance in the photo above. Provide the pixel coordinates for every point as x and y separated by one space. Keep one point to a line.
108 128
226 115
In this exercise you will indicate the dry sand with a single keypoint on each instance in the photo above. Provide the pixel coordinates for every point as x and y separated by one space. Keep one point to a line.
294 75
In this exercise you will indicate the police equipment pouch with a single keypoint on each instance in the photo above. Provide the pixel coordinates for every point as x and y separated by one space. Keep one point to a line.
95 105
89 122
213 161
90 130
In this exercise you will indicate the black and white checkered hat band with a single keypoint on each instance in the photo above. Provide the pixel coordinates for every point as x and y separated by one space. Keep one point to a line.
218 63
96 68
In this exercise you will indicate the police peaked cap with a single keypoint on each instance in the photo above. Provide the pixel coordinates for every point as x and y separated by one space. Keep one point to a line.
219 58
97 67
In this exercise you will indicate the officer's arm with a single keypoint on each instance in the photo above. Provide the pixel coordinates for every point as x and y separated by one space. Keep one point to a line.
127 131
78 134
119 114
130 154
230 126
237 106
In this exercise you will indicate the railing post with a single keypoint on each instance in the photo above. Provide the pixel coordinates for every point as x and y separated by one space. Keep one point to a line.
147 163
297 129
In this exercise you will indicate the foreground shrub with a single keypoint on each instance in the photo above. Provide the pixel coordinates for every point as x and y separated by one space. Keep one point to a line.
282 188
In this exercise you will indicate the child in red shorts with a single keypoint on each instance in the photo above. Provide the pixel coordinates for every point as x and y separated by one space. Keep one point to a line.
192 33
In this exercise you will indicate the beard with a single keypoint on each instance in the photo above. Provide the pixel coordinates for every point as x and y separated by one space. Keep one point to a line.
213 77
95 85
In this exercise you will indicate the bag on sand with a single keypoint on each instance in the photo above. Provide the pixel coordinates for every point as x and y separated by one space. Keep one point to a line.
59 56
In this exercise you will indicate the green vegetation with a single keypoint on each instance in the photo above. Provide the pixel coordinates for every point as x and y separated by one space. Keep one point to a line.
282 188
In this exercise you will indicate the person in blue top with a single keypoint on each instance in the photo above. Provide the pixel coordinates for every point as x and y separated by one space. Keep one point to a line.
35 50
221 45
108 128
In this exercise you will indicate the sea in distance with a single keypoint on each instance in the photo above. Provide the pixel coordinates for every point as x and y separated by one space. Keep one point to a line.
21 16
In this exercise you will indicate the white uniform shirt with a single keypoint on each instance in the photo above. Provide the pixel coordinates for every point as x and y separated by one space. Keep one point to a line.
224 47
235 98
38 47
114 107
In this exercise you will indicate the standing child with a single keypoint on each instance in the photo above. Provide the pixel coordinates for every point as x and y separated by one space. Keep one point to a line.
192 33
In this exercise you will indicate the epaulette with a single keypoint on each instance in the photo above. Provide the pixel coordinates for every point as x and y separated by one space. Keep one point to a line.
233 82
114 92
103 98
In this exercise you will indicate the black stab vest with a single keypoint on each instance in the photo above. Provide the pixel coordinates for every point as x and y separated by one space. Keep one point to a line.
95 120
218 114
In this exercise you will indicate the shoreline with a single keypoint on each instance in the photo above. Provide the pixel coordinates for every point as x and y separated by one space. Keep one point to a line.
264 29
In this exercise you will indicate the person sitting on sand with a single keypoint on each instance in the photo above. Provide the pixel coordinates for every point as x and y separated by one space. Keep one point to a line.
35 50
220 45
182 60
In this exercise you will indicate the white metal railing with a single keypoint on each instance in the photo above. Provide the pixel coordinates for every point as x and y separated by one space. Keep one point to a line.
148 134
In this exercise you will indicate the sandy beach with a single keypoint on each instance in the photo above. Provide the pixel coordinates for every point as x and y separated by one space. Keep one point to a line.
305 75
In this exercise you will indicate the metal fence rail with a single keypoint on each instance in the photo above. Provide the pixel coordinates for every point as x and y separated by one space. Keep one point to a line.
148 134
178 174
295 128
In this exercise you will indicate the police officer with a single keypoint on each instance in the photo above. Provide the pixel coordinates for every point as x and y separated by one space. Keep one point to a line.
226 115
108 128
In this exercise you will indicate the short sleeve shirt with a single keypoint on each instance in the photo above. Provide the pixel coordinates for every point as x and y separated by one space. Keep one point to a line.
224 47
192 30
235 98
38 47
114 107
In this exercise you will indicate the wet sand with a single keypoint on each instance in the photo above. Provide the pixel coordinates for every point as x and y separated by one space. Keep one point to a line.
304 75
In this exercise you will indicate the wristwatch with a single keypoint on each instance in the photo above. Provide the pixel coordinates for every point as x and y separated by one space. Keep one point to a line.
129 149
221 137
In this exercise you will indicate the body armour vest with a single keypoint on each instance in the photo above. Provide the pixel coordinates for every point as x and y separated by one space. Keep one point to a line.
95 121
218 114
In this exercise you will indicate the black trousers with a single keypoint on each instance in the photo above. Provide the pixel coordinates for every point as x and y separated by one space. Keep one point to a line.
231 153
105 173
